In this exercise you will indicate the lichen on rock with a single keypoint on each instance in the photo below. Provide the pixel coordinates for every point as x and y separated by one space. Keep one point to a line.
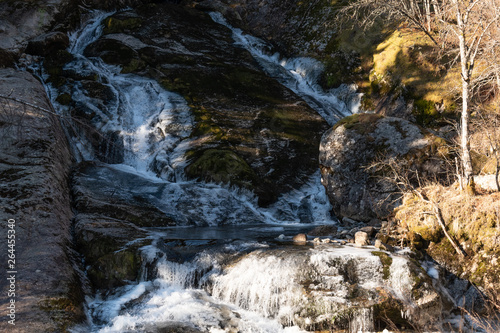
353 155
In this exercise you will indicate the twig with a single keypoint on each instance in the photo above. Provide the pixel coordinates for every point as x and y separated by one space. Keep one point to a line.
439 217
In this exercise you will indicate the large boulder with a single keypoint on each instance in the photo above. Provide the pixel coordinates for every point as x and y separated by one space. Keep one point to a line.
34 171
358 157
48 43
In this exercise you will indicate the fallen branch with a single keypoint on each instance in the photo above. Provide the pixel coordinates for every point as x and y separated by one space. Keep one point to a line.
439 217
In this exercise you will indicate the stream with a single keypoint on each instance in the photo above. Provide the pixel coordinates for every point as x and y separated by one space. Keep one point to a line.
237 269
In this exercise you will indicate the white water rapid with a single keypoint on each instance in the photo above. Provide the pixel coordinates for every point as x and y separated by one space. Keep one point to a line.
237 273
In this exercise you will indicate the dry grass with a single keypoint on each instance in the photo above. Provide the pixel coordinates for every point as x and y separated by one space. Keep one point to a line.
474 223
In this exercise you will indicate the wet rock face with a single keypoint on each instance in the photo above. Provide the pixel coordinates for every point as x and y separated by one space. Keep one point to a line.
296 27
359 189
46 44
21 21
266 133
34 172
111 209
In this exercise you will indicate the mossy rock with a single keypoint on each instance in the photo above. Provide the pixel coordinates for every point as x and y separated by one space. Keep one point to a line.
121 23
363 123
222 166
64 99
358 157
425 112
428 234
54 64
386 261
114 52
115 269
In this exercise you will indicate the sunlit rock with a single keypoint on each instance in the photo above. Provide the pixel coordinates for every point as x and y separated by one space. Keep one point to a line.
359 154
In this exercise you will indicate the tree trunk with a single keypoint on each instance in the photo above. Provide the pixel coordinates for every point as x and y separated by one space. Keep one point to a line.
427 5
464 133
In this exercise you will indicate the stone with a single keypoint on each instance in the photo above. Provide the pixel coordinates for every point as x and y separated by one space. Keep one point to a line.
375 223
361 238
348 221
35 166
300 238
326 240
383 246
48 43
369 230
21 21
384 238
348 150
324 230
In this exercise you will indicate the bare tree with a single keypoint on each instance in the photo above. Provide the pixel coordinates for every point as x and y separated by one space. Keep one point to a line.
470 22
408 180
466 28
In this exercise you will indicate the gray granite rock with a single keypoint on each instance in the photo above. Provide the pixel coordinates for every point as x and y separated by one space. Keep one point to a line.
357 188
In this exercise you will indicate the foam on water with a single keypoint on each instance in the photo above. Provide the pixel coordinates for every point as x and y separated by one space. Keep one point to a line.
174 298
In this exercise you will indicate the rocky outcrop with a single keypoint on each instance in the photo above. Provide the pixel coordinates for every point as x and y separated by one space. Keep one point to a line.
34 172
112 207
47 44
21 21
356 160
293 26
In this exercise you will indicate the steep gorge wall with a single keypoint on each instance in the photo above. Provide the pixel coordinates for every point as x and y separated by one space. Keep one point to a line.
34 169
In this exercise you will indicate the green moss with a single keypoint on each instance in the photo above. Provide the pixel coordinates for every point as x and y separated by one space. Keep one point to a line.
115 25
363 123
64 99
205 125
425 112
222 166
133 65
115 269
386 261
428 233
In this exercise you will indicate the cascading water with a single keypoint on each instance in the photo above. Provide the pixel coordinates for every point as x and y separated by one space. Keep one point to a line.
298 74
151 126
195 285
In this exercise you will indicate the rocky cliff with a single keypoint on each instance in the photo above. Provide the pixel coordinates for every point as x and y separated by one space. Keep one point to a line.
34 170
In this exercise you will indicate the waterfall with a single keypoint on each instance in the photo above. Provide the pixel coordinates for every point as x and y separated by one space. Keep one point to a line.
175 297
147 135
148 122
299 75
232 284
